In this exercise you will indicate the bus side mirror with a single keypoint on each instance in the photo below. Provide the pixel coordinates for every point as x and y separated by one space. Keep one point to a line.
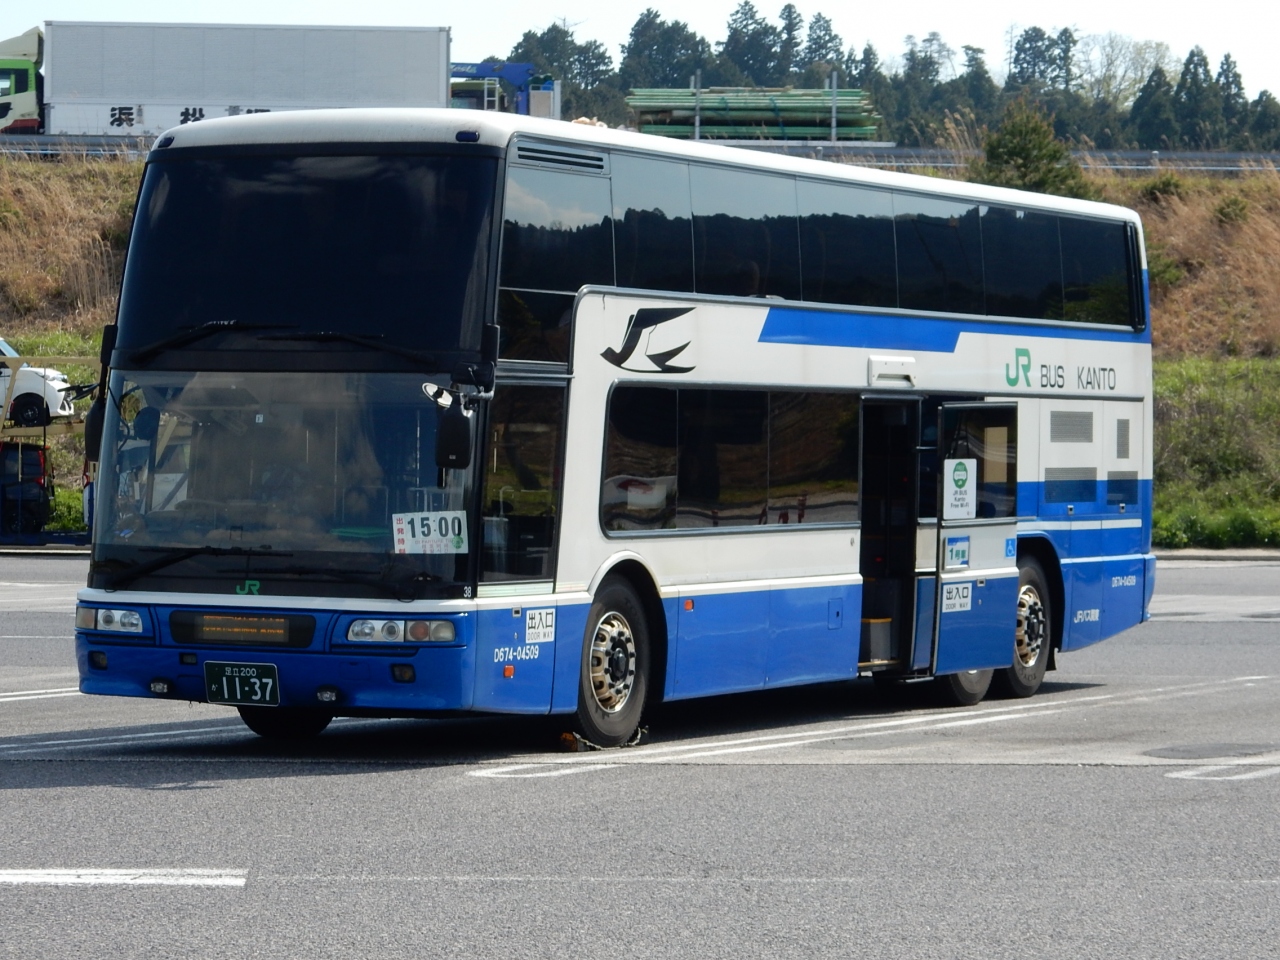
453 437
93 420
93 429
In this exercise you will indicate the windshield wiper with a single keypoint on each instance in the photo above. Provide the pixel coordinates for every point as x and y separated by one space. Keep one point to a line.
177 556
359 340
400 588
152 350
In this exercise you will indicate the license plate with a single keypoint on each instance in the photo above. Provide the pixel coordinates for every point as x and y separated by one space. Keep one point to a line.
256 684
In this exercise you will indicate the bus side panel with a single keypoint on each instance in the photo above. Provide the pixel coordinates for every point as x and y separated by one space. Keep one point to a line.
515 658
981 636
814 634
571 628
1083 616
721 643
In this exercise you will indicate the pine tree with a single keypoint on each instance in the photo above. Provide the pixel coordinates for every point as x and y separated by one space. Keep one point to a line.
662 53
1264 127
1152 118
752 45
1197 103
789 59
1024 154
980 89
1235 105
823 44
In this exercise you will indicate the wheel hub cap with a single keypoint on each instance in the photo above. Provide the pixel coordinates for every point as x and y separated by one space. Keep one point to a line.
1032 633
613 662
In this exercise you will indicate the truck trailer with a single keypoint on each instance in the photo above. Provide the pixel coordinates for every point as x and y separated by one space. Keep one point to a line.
139 79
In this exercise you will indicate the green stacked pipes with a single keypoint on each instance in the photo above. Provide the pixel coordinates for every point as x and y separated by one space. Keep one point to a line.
751 113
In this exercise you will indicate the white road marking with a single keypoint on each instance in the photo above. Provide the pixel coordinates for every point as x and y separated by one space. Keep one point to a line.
33 636
26 693
130 878
1245 768
121 738
44 696
919 723
1215 608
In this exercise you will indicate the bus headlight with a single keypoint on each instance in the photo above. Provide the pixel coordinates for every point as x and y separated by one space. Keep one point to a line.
362 630
112 621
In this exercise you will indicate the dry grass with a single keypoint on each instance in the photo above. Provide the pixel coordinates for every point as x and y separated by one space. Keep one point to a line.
63 229
1213 246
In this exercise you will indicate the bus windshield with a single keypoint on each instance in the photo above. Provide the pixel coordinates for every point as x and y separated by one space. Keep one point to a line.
389 247
287 481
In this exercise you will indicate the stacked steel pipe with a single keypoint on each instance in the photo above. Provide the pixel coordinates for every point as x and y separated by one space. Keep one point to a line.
755 113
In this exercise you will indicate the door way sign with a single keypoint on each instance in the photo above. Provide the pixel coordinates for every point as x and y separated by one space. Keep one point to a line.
959 489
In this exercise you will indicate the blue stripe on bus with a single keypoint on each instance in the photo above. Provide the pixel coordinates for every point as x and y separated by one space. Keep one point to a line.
829 328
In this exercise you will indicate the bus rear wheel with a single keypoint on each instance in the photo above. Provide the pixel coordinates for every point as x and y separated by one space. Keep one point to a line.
963 689
1032 639
614 677
285 723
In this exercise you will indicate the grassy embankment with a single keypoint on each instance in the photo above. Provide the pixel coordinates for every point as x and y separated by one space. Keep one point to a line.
63 228
1214 247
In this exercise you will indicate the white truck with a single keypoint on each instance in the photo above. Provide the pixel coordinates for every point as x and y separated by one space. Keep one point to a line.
140 79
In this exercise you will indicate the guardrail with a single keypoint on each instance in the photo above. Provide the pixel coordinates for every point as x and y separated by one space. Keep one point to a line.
872 155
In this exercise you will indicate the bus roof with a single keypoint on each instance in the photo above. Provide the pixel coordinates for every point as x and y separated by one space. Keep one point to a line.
440 125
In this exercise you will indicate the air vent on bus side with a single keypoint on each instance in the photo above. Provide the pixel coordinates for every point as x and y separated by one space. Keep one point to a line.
562 158
1070 426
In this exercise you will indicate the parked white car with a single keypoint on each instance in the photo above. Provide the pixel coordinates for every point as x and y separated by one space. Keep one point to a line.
39 394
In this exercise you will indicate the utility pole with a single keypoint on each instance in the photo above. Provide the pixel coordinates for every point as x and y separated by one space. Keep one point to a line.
697 104
835 82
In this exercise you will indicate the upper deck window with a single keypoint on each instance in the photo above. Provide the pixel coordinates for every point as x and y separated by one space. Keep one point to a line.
1022 257
653 224
557 235
685 227
393 247
847 247
939 254
745 234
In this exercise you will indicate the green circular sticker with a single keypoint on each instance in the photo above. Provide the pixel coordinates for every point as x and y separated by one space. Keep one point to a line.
960 475
457 543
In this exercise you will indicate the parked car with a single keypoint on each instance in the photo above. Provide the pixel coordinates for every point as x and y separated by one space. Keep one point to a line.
39 394
25 493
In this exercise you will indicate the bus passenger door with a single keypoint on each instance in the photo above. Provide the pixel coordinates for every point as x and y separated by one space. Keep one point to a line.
976 597
890 520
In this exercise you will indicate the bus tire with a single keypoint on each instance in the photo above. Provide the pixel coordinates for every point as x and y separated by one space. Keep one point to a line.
1032 640
963 689
614 676
285 723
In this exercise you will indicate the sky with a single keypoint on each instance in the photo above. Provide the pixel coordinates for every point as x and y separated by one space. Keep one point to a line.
492 27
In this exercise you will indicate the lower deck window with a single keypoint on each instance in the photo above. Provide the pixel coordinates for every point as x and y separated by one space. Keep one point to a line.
689 458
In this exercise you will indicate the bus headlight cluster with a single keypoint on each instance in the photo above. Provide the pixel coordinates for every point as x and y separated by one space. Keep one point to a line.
113 621
397 631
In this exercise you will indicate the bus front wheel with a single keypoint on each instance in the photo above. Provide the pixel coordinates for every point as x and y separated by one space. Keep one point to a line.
615 666
285 723
1032 639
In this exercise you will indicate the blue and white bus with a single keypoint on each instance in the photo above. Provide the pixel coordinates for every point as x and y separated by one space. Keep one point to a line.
418 413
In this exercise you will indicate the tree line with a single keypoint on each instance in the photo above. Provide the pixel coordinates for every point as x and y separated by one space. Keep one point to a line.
1105 92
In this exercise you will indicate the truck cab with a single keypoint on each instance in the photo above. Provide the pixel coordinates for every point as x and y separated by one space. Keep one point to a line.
21 82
